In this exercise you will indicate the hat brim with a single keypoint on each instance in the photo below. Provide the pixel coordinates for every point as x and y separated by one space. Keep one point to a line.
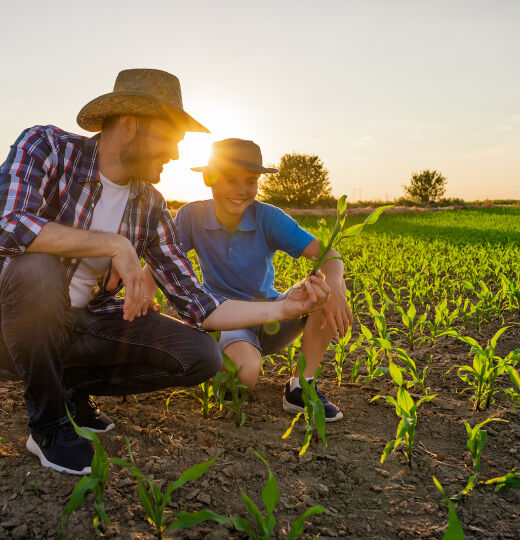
91 116
237 165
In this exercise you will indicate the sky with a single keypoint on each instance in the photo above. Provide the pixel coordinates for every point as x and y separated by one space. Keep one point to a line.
378 89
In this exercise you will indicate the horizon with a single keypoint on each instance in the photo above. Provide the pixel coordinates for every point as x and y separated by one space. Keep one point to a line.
377 90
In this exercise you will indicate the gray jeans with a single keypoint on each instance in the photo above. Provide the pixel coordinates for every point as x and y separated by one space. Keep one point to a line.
58 350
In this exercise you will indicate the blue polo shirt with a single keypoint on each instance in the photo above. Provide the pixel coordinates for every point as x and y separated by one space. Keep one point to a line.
239 264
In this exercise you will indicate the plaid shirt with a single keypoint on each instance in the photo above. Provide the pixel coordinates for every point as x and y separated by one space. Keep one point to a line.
52 175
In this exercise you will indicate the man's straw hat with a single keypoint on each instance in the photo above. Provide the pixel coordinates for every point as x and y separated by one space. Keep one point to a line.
235 154
140 92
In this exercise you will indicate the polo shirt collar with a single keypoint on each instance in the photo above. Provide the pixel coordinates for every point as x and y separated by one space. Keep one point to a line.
89 171
247 223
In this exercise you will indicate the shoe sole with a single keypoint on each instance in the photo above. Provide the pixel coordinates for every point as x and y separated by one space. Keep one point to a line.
35 449
110 427
292 408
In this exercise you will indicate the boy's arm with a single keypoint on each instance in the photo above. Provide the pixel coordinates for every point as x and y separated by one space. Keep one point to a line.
336 311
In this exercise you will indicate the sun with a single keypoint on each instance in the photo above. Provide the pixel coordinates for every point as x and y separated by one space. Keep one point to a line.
178 182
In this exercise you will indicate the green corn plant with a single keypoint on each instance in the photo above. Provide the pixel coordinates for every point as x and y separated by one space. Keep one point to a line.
206 400
290 357
372 361
511 479
487 366
414 325
340 232
410 369
466 310
96 483
444 321
341 353
265 525
314 414
454 530
477 438
154 501
510 293
406 410
227 381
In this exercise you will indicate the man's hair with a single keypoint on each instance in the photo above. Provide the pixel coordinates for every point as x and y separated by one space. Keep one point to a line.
109 122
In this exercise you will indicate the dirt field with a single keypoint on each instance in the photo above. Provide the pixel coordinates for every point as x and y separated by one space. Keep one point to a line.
364 499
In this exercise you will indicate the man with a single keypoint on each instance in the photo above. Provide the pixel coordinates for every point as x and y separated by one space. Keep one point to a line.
73 209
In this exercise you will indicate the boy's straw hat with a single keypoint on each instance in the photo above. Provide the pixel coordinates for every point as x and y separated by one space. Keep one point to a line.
140 92
235 154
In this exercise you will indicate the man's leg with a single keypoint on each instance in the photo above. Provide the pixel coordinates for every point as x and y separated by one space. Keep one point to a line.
111 356
34 303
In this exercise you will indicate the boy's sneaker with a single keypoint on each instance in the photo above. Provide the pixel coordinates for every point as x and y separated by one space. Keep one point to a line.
89 416
61 449
293 402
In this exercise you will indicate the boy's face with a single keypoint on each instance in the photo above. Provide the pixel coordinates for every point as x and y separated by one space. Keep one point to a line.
233 190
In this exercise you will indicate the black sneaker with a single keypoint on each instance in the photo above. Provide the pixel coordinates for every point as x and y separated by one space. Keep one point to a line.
62 449
89 416
293 402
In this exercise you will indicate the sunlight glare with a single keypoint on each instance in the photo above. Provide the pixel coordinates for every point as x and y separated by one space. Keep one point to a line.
178 182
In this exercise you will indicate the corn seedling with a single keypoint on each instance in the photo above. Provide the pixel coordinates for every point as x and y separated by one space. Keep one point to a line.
341 353
511 479
207 398
227 382
291 356
454 530
339 232
96 483
314 414
406 410
487 366
414 325
372 360
416 377
265 525
154 501
477 438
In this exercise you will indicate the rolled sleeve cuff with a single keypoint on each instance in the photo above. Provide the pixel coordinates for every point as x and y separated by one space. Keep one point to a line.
19 231
201 306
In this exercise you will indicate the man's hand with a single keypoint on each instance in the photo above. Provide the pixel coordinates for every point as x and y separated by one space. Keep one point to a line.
126 265
336 312
306 296
149 291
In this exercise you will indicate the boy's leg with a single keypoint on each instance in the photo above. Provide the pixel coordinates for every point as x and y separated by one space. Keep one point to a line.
243 348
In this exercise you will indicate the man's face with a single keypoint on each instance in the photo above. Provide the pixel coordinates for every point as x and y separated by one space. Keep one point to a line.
153 145
233 190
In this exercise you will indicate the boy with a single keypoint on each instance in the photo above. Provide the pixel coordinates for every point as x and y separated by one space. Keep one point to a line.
235 238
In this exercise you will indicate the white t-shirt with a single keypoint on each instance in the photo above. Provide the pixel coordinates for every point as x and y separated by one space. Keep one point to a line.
107 217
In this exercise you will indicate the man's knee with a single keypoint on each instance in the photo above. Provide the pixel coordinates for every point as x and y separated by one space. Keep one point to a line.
36 273
211 357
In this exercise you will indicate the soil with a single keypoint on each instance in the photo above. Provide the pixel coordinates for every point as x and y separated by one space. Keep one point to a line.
363 498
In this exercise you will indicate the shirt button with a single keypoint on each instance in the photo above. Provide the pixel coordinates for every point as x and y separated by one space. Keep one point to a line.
73 261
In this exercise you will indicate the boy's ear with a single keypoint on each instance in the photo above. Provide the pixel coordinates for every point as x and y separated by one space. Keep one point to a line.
210 178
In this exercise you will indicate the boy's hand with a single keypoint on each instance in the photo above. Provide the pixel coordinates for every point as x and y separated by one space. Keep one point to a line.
336 312
306 296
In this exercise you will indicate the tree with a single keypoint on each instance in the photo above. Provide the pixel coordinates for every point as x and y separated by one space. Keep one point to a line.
301 181
426 186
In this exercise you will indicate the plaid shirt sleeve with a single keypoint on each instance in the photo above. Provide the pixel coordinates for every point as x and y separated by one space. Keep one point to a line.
23 179
172 270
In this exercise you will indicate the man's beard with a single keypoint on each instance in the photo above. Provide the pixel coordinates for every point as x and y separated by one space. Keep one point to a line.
136 163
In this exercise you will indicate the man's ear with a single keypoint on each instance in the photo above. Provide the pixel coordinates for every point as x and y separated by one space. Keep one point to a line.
127 126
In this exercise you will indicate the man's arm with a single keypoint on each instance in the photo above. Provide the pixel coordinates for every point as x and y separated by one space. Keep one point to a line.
336 311
63 241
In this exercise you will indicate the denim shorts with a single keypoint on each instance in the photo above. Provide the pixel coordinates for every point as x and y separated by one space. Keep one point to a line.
269 338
